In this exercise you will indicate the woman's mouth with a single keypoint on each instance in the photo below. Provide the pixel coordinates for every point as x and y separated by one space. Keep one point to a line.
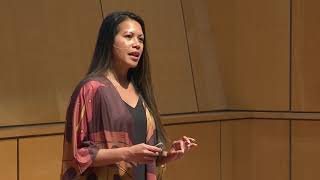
134 55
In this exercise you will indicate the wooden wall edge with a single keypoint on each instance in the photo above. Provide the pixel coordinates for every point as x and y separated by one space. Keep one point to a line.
23 131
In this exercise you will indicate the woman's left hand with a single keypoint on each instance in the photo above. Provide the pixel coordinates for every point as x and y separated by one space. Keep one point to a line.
179 148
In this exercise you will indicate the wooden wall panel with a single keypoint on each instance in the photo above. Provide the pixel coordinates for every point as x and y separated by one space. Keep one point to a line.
205 51
240 53
171 70
40 157
46 47
305 64
8 156
202 162
255 149
305 150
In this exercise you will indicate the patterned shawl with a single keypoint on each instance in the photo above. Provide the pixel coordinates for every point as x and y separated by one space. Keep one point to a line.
98 118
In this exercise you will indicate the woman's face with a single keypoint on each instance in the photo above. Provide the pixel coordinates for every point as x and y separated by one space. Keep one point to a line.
128 44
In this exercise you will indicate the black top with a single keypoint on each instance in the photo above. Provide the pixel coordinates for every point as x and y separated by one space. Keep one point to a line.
140 133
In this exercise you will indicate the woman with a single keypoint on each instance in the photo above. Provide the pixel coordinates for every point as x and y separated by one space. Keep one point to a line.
113 129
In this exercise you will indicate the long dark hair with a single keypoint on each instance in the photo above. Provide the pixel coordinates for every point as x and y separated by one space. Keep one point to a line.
140 75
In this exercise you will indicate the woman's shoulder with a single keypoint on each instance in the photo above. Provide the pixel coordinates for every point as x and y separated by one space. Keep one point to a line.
94 82
90 85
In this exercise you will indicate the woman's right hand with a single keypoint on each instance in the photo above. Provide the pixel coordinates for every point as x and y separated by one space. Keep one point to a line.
142 154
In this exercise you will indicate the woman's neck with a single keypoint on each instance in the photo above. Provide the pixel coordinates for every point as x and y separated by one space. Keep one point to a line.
118 76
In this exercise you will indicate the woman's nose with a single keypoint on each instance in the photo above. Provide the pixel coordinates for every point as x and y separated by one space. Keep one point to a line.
136 44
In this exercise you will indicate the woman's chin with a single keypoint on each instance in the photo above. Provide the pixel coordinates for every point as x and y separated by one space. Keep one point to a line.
132 64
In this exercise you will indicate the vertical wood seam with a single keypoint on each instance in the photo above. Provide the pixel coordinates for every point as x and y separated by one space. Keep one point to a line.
18 160
290 54
190 62
290 149
101 9
220 159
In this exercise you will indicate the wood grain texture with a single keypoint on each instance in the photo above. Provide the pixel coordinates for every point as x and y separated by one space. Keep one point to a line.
8 156
305 59
255 149
240 53
40 157
46 47
305 150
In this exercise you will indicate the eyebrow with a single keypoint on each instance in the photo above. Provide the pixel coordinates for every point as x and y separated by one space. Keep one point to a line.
132 32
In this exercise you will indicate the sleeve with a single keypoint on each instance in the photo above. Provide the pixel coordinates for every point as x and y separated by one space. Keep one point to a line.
84 149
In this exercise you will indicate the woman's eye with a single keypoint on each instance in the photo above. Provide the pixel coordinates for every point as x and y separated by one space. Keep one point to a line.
141 40
128 36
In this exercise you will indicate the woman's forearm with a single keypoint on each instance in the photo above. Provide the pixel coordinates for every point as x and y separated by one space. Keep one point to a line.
110 156
140 153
